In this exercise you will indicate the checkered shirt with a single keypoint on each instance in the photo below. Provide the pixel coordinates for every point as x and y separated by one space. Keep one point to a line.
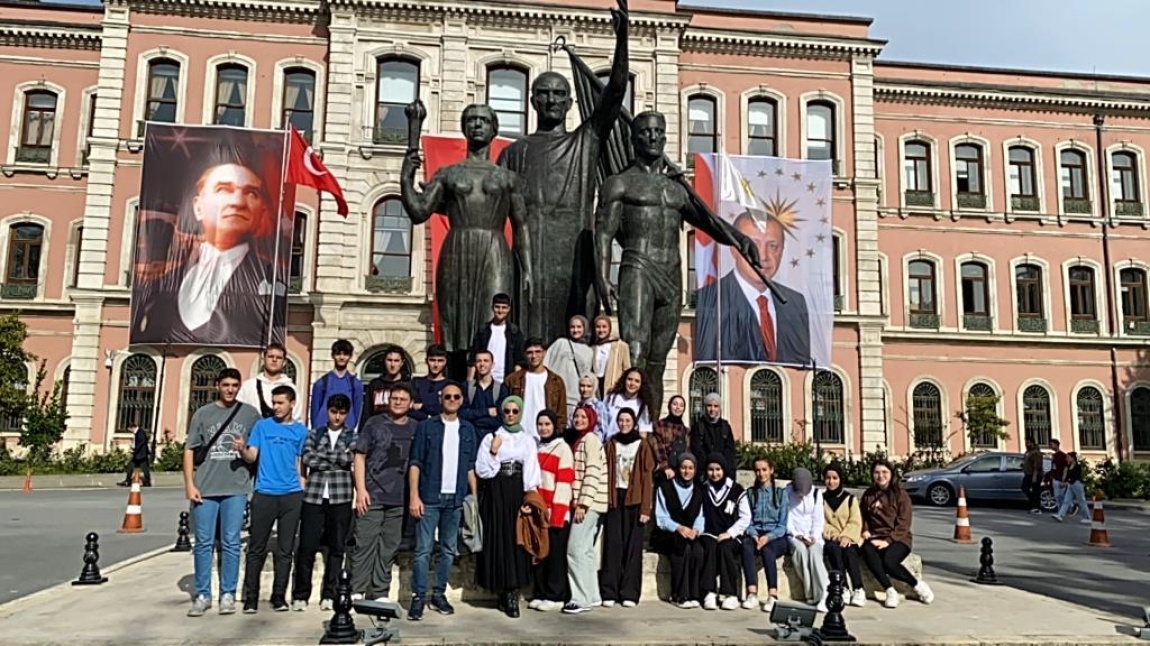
327 465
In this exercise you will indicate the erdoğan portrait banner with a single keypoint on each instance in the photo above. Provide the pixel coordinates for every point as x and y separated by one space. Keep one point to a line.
212 240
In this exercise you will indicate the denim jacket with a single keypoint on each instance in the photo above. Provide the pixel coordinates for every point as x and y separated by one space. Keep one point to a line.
427 454
768 512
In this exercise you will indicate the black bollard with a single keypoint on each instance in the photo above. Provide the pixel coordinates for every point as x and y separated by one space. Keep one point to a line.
247 516
986 575
183 543
90 575
341 628
834 628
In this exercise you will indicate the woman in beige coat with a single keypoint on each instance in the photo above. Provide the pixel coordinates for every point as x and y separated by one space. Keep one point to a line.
842 532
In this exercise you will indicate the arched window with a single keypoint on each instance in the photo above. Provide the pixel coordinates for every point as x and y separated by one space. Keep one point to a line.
231 95
629 98
1023 179
1028 279
397 85
921 291
292 372
1140 418
507 95
827 408
163 90
982 395
298 252
202 382
975 296
1081 281
25 244
1091 424
820 130
916 174
968 176
1036 421
1125 186
762 127
37 127
299 100
137 402
702 127
837 270
1133 286
391 240
704 381
927 404
1075 193
766 407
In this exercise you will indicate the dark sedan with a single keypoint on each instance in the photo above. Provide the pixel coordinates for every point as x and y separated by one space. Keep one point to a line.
986 476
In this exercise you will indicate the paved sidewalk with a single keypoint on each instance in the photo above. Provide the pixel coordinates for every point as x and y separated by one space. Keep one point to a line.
145 603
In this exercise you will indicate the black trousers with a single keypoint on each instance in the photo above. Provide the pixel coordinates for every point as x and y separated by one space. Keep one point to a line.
886 564
1033 491
621 574
145 465
551 575
324 524
721 563
844 559
283 512
687 559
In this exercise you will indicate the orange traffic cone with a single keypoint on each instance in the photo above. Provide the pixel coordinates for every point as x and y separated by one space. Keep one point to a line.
134 515
961 520
28 482
1098 535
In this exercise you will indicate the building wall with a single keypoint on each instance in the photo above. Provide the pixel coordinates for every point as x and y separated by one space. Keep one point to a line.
78 310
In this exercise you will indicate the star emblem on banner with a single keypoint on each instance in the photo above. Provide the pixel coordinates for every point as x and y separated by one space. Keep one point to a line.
821 202
811 187
810 253
821 237
794 262
824 220
798 177
762 173
780 172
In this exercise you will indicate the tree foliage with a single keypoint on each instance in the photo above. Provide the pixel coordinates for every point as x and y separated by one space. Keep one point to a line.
983 425
45 420
14 398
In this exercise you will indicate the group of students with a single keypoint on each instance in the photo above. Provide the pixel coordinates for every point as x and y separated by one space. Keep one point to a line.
715 533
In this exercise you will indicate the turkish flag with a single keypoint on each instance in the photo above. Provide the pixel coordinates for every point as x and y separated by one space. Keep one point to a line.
306 168
706 251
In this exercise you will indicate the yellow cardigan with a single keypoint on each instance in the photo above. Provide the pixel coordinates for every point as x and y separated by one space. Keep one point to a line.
847 521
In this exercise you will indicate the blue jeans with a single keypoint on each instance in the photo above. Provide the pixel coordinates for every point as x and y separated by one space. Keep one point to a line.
1075 493
228 511
443 515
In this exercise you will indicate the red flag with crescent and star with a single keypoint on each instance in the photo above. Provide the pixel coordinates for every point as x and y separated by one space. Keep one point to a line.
306 168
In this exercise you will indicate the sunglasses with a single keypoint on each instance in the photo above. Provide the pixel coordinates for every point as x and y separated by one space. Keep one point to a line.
511 411
452 397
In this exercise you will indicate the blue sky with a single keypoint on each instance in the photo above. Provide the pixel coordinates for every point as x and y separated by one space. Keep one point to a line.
1060 35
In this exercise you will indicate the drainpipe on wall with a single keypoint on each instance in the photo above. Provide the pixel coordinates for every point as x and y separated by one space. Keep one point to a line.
1112 311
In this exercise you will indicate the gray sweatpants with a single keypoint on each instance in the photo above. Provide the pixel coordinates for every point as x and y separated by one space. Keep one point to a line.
377 537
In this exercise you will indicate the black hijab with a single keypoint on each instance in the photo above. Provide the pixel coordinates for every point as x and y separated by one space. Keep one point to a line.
634 435
671 417
835 497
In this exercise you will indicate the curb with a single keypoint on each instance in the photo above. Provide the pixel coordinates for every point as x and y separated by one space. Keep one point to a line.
86 481
7 608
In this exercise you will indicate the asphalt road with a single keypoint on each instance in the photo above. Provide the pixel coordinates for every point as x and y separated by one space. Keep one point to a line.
42 533
1039 555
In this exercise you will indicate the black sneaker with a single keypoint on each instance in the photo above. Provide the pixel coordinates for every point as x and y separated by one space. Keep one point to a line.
440 604
251 606
415 611
279 604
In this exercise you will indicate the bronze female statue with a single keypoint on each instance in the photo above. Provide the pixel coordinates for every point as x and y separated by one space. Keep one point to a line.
477 197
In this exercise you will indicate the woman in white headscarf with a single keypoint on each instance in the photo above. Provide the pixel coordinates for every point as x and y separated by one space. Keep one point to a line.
571 357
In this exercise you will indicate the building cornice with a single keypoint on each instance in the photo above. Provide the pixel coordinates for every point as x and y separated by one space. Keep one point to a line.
49 35
1010 97
259 10
516 15
761 43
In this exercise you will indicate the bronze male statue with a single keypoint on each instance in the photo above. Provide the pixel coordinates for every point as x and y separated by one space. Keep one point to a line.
478 198
644 208
559 171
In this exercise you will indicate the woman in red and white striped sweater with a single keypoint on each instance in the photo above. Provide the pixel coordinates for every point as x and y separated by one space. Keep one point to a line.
557 464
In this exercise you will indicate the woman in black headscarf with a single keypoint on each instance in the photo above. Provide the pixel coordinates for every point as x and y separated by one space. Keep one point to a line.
670 438
726 516
678 526
842 531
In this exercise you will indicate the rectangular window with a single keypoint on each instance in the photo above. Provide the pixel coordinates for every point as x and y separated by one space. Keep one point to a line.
231 95
975 290
299 101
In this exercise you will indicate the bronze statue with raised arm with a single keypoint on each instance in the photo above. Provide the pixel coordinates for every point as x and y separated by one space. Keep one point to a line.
478 198
560 174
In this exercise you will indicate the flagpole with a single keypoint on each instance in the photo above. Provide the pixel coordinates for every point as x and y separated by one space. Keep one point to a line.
279 235
720 157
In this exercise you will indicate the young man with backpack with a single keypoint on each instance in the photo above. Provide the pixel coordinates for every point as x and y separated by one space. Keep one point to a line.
483 396
257 391
337 381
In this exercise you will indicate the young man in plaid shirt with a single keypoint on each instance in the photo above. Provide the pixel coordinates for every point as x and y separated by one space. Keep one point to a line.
326 513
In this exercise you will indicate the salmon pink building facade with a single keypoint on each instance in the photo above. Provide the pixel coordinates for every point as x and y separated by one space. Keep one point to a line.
990 225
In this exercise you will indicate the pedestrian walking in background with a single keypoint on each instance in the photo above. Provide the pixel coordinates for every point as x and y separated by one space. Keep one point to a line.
1059 463
1075 491
141 457
1032 475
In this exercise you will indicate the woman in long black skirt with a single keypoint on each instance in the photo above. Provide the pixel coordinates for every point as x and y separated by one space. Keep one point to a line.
508 467
630 482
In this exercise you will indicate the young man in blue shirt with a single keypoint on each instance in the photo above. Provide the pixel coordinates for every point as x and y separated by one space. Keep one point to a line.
277 443
427 388
337 381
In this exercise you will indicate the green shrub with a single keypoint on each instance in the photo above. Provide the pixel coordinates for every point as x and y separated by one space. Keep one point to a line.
1123 480
785 458
171 458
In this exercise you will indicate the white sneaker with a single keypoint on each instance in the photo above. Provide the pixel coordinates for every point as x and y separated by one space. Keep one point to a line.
552 606
326 605
692 604
534 604
821 607
858 598
299 605
892 599
730 603
358 596
685 605
769 604
1057 517
925 594
629 604
1086 521
751 602
711 601
608 604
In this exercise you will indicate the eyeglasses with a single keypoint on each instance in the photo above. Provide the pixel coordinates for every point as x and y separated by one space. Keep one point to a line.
510 411
452 397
